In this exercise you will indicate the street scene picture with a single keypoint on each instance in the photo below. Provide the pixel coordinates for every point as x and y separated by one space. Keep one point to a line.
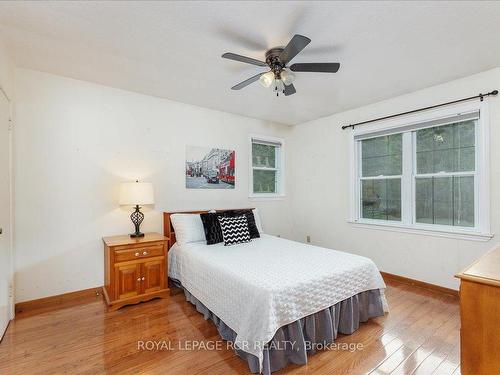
209 168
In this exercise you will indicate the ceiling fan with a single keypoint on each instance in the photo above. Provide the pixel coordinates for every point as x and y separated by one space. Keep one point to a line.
280 75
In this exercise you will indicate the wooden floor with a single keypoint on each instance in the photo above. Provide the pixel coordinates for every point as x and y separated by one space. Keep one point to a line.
420 335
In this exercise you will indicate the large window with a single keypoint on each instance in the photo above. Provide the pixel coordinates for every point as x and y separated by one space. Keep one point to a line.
426 176
266 167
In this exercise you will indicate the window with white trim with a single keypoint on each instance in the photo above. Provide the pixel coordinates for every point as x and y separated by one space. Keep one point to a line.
426 175
266 166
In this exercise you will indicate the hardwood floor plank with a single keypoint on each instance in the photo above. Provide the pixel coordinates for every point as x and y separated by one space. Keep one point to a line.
374 351
412 336
438 353
426 350
420 334
451 361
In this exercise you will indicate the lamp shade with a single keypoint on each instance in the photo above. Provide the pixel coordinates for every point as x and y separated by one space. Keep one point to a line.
287 77
267 79
136 193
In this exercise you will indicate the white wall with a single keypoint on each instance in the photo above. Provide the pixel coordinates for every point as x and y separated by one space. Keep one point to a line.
76 141
6 239
320 160
6 71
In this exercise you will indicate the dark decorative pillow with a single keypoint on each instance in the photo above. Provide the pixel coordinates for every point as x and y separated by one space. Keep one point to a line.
211 225
234 229
213 233
252 226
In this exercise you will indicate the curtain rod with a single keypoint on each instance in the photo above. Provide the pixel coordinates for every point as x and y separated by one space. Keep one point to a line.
480 96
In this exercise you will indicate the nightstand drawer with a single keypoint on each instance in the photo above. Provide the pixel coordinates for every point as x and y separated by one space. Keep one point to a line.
138 253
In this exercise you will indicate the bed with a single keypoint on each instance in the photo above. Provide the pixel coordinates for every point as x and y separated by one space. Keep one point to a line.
276 300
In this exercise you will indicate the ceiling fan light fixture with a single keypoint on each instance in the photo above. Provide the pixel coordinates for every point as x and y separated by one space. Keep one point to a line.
287 77
267 79
277 59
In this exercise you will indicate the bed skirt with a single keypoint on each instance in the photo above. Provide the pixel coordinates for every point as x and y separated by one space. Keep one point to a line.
293 342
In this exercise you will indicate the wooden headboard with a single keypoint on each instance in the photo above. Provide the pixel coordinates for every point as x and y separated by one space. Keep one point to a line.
168 229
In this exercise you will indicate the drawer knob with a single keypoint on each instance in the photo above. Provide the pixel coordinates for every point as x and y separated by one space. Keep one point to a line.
137 254
145 253
138 279
143 278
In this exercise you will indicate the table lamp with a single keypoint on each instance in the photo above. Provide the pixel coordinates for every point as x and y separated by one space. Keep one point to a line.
136 194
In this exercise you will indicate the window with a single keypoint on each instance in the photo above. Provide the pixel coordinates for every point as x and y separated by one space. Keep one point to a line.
430 175
266 167
444 177
381 172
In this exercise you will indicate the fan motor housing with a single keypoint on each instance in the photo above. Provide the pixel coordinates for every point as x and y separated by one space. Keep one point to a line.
272 57
274 62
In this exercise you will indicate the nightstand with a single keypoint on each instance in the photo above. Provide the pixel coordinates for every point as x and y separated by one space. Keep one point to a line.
135 269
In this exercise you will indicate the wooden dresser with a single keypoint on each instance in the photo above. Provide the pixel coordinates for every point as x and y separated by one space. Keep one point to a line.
480 316
135 269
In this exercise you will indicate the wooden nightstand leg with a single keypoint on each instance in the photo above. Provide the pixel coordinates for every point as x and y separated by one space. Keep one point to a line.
114 307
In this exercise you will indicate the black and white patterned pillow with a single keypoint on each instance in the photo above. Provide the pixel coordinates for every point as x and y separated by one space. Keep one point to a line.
234 229
252 226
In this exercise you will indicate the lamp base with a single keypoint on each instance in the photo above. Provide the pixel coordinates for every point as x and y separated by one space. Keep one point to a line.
137 217
136 235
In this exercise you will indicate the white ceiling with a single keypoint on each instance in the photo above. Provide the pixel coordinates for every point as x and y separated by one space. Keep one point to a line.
173 49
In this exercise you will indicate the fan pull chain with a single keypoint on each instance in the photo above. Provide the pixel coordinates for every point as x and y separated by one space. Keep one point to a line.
277 92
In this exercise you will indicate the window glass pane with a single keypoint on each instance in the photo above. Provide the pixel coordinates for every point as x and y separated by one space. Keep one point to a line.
263 155
463 203
448 148
423 201
465 159
445 200
381 199
264 181
382 156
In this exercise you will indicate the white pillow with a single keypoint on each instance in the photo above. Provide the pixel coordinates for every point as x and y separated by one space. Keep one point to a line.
188 228
258 223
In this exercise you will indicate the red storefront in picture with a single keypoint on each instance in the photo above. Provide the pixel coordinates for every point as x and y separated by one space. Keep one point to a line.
226 169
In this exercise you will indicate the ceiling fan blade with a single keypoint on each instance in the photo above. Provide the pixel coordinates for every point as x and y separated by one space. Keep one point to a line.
248 60
289 90
316 67
294 46
246 82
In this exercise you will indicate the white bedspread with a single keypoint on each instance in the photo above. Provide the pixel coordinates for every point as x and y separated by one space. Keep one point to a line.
258 287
